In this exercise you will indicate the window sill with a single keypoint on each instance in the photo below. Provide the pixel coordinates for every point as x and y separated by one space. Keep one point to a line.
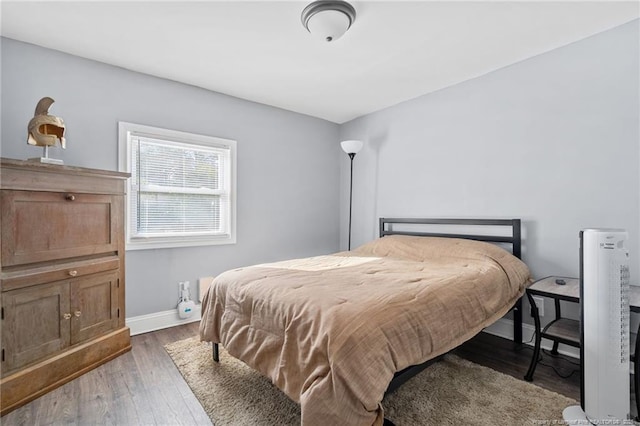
142 244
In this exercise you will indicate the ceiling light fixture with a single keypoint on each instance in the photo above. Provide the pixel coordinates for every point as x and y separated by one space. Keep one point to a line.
328 19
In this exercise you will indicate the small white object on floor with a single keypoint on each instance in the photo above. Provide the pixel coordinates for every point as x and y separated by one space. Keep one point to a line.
573 415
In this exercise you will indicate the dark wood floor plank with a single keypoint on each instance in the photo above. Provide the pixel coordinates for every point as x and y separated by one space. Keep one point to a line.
94 398
138 407
172 391
128 408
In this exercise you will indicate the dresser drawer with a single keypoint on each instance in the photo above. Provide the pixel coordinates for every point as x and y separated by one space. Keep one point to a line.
45 226
36 324
25 277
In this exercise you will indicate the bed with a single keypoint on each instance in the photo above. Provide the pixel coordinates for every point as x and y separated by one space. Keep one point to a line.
336 332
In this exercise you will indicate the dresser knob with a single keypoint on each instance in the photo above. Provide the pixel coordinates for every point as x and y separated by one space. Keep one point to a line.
77 313
66 316
70 197
73 273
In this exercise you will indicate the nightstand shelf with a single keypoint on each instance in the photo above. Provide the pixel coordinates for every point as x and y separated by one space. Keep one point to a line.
563 330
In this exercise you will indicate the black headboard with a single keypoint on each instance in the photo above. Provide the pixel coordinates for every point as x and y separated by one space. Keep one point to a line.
386 228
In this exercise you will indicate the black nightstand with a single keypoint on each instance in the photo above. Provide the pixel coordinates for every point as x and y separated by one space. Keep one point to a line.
560 330
567 331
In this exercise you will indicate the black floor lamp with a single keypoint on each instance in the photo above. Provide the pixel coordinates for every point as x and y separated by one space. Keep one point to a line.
351 147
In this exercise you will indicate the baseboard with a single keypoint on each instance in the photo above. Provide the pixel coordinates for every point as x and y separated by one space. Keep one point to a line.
504 328
159 320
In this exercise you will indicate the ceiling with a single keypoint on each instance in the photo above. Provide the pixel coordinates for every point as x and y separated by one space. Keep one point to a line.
260 51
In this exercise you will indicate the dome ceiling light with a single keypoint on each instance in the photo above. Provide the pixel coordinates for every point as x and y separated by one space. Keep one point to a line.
328 19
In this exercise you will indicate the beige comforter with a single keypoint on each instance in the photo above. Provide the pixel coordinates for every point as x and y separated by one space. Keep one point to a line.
331 331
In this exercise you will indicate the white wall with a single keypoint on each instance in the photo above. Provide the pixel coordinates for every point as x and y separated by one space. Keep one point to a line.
553 140
287 163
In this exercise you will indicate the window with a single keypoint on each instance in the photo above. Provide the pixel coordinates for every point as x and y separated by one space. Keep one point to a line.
182 187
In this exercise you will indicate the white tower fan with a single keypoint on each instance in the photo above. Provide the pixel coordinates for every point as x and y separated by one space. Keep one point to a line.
604 328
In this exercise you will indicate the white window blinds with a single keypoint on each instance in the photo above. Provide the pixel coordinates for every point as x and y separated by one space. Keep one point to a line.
179 191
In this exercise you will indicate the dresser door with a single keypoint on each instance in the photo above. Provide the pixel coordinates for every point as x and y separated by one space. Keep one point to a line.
94 305
43 226
35 324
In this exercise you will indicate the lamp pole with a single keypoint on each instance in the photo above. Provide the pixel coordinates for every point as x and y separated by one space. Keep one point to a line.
351 155
351 148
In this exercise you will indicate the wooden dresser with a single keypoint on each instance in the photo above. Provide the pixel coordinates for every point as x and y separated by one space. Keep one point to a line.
62 276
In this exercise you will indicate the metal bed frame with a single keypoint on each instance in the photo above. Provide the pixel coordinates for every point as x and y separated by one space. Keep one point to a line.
515 239
386 228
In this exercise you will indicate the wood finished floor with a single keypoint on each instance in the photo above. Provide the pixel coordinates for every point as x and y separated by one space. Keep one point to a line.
143 387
